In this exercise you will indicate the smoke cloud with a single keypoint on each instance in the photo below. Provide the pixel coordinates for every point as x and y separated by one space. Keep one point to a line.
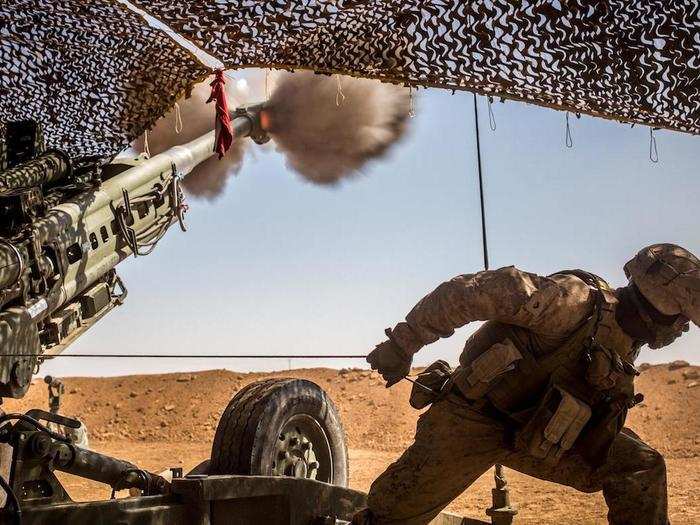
329 127
208 179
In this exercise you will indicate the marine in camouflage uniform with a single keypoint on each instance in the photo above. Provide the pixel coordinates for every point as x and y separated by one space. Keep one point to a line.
543 387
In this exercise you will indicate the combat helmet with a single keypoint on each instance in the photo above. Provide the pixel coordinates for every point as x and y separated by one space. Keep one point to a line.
668 276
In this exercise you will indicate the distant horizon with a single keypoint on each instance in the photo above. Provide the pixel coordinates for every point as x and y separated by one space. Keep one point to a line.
38 378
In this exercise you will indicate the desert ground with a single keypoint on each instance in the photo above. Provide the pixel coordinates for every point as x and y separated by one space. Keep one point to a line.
162 421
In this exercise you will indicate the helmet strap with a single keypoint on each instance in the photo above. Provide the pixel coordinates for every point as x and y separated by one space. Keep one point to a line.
657 324
630 316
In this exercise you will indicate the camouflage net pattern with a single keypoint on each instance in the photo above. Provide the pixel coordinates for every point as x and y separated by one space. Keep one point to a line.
93 73
628 60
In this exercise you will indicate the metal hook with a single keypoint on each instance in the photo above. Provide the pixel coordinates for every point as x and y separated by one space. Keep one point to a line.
653 148
569 140
492 117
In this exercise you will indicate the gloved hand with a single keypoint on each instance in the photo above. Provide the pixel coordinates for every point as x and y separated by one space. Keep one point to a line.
390 360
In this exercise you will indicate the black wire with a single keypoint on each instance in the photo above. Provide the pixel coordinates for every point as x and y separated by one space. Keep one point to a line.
12 498
195 356
481 186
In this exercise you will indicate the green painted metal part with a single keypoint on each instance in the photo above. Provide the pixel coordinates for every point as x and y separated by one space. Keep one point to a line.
61 238
213 500
221 500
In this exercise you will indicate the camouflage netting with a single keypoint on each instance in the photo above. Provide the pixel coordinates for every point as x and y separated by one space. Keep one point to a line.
94 73
630 60
97 75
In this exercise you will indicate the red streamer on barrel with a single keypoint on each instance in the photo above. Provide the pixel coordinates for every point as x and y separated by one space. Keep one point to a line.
224 131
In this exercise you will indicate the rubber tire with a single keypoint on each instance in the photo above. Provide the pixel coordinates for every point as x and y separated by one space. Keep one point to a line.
246 436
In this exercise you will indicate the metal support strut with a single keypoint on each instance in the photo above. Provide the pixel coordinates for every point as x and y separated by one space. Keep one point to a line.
501 511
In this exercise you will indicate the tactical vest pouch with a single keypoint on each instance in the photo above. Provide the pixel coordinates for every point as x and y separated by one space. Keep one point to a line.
477 378
555 425
430 384
607 422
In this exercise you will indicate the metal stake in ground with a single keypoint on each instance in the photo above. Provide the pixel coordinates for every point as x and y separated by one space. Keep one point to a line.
501 511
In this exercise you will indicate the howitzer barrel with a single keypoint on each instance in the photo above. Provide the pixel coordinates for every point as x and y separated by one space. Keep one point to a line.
73 247
187 156
49 167
89 211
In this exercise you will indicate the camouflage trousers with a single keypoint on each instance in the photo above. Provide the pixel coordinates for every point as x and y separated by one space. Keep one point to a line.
454 445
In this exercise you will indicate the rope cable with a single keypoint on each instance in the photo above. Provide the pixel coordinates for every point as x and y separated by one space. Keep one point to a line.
193 356
653 148
178 119
339 95
492 117
484 238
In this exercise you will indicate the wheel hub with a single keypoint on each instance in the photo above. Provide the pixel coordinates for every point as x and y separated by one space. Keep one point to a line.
295 455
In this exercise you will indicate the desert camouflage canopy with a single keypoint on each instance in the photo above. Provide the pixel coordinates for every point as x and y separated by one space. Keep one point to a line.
95 74
629 60
99 75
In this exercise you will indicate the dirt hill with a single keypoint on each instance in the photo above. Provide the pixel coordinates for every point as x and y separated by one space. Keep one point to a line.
187 406
159 421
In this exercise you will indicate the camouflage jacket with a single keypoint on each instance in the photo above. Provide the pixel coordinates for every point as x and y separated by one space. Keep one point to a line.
537 341
549 307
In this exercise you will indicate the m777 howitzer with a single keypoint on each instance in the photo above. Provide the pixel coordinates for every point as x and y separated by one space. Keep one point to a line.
279 453
63 230
64 227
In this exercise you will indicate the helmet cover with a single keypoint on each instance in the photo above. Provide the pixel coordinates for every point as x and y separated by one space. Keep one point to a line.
669 278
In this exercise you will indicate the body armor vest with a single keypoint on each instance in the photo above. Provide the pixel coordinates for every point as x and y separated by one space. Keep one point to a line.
587 386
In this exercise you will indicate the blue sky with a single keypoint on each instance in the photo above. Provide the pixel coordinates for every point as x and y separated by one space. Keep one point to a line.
280 266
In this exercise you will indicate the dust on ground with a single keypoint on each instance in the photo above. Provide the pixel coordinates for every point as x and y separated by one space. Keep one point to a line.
162 421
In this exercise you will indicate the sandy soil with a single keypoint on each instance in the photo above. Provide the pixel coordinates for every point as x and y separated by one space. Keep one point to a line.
164 421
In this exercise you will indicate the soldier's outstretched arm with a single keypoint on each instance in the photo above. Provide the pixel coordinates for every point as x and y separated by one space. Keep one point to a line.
550 305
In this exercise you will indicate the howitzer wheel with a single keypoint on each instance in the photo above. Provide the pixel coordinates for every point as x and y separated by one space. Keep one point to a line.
281 427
